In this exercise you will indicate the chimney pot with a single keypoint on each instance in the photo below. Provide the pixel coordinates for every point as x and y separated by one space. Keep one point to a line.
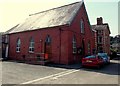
99 21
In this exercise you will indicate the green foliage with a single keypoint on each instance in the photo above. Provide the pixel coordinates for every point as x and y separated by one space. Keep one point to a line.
113 50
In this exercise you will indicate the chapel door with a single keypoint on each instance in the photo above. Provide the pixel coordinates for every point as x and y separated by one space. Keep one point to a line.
48 47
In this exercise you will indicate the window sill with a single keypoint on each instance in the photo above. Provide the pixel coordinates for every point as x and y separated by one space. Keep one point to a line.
31 52
17 51
83 33
74 53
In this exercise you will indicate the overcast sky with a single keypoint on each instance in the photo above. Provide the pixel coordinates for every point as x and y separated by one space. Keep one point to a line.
13 12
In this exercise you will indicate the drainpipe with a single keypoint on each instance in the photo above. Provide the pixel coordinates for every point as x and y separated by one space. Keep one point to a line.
7 46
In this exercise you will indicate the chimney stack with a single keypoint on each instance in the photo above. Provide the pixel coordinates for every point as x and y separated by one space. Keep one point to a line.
99 21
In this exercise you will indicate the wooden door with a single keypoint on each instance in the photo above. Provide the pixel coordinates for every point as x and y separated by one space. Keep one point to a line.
48 50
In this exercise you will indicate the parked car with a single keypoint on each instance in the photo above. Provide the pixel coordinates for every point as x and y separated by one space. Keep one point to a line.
118 54
92 61
105 57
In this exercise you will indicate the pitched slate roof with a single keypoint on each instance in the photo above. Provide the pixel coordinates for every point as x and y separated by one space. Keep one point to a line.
8 31
101 27
54 17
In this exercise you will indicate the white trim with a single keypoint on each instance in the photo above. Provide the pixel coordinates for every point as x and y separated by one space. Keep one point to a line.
31 45
74 45
82 26
18 45
31 52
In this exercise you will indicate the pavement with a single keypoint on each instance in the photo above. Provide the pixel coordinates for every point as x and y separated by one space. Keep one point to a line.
0 59
71 66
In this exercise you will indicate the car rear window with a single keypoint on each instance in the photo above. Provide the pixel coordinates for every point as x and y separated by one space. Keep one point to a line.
90 57
102 55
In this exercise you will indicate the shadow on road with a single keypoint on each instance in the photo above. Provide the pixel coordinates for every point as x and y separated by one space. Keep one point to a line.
73 66
111 69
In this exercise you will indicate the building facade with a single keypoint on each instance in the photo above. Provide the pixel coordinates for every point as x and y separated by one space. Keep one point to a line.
62 34
115 45
0 44
102 36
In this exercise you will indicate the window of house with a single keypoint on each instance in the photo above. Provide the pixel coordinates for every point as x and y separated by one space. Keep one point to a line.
100 31
18 45
31 46
82 26
48 40
74 45
89 48
99 39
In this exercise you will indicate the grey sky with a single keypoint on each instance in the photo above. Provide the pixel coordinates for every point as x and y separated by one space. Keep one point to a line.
13 12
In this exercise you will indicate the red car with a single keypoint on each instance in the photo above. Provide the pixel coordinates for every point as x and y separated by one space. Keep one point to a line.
92 61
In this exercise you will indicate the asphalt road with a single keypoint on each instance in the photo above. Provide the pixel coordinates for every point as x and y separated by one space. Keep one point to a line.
21 73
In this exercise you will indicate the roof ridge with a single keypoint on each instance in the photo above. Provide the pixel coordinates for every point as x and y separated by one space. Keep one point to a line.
55 8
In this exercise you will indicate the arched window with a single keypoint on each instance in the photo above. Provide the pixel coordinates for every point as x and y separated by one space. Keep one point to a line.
48 40
74 46
82 26
18 45
31 46
89 48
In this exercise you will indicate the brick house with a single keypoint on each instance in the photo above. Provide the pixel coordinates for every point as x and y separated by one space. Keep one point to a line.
102 36
95 41
64 33
115 45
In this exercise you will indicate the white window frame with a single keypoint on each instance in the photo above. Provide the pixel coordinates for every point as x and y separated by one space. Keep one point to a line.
31 45
74 45
100 39
82 28
48 40
18 45
89 47
100 31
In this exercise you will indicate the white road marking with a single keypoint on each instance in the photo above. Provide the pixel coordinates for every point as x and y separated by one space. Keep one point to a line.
52 76
66 73
59 68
